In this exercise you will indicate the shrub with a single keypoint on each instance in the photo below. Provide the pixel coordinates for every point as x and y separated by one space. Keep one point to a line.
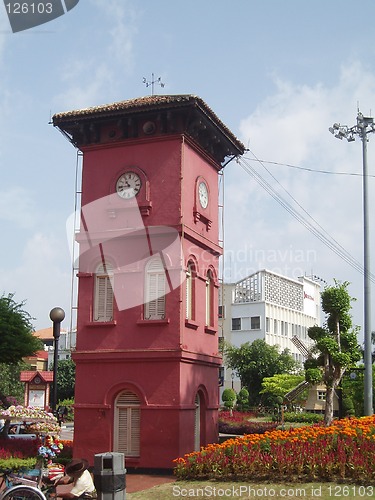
66 454
348 406
229 398
69 404
17 463
301 417
243 400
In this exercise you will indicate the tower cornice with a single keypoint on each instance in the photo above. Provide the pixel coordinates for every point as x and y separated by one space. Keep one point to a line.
156 115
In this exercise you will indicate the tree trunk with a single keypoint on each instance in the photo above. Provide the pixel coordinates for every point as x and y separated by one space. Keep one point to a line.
330 393
328 413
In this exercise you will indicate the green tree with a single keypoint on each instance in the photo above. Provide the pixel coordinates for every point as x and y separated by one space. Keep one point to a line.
66 376
10 384
16 331
16 340
257 360
352 385
373 343
336 344
274 388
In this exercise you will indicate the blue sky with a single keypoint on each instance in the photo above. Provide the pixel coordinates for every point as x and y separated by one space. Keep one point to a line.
278 74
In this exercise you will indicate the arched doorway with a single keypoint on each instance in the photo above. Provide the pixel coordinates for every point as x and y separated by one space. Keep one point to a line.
127 424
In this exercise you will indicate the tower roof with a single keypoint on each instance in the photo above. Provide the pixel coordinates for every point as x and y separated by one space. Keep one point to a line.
145 116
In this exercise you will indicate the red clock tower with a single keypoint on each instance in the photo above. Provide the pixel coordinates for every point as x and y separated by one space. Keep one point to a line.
147 353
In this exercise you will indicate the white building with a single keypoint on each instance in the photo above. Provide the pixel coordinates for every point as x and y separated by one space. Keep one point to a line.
67 343
269 306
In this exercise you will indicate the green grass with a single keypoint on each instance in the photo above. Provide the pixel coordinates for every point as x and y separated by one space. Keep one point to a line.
250 491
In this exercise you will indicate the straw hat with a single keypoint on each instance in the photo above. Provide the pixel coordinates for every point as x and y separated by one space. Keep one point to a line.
76 466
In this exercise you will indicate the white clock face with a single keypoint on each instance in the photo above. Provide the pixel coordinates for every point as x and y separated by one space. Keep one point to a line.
203 194
128 185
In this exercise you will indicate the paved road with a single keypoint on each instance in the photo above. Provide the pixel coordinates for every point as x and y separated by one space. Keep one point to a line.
67 431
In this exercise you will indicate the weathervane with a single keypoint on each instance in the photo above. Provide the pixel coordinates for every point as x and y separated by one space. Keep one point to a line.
152 83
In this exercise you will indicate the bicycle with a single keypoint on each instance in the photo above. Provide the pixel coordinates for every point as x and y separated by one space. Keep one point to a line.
25 486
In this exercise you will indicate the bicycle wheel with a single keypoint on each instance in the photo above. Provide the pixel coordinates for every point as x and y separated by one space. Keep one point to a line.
22 492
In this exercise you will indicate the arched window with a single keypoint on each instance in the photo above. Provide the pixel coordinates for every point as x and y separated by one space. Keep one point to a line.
127 427
155 288
103 301
209 299
190 292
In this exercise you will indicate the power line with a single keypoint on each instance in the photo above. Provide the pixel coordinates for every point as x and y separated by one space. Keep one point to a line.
307 213
314 171
319 233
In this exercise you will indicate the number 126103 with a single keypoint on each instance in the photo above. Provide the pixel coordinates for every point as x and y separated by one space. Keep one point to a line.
350 491
29 8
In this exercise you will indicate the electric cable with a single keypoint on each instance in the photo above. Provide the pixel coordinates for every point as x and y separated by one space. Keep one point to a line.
314 171
326 239
309 215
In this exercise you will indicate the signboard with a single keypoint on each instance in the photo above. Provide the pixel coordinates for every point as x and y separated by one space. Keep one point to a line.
37 397
309 300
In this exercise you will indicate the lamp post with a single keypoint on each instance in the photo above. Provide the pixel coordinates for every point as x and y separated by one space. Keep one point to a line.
365 126
57 315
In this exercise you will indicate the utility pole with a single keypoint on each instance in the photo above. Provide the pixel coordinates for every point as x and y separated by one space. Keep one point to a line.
365 126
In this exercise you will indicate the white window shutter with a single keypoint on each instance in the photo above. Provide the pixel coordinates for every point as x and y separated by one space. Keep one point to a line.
155 290
208 301
103 304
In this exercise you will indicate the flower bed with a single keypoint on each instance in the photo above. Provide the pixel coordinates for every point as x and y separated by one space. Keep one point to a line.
19 448
29 413
18 454
239 423
38 420
342 451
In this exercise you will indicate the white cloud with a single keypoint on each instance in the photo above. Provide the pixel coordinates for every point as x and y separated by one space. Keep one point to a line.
291 126
17 207
123 31
84 83
86 80
5 31
41 278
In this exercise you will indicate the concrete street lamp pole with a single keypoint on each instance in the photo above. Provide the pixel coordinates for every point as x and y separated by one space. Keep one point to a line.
365 125
57 315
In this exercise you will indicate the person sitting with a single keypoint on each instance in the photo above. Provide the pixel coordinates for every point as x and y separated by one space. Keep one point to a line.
77 472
